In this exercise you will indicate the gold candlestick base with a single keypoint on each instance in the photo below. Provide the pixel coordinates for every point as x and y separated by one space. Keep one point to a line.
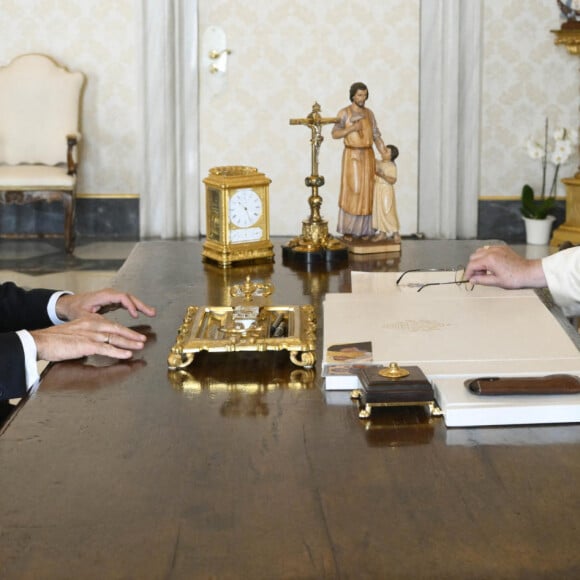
315 245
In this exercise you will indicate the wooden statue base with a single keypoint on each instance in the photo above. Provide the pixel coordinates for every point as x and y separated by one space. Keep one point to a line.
360 246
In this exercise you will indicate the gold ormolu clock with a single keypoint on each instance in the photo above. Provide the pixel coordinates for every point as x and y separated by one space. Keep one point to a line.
237 216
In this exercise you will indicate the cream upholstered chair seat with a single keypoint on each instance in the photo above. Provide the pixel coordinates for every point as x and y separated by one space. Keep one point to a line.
34 176
39 132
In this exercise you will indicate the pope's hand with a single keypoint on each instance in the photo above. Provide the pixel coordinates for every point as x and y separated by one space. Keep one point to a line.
501 266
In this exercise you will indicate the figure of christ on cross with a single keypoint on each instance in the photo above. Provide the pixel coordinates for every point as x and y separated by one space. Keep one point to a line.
315 237
315 121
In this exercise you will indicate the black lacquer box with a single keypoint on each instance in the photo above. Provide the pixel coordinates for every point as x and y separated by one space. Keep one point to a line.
392 386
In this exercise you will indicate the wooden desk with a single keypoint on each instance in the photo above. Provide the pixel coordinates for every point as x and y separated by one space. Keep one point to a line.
247 471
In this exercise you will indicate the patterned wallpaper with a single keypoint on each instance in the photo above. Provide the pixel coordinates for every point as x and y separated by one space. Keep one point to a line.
287 55
526 78
99 39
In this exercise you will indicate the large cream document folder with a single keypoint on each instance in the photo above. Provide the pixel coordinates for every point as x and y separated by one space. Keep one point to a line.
454 335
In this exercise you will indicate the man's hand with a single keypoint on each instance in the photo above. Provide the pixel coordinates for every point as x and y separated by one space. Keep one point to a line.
88 335
501 266
72 306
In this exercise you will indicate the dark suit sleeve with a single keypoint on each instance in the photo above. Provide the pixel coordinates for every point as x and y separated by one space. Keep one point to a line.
23 309
12 371
19 309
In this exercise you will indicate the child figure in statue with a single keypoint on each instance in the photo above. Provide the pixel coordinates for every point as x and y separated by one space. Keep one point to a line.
385 219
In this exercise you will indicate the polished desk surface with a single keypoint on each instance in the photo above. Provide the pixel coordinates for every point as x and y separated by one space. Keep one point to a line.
244 469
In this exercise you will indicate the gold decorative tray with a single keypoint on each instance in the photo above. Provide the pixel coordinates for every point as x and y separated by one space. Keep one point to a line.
246 327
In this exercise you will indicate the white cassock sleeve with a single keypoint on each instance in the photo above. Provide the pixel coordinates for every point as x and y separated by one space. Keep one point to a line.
562 271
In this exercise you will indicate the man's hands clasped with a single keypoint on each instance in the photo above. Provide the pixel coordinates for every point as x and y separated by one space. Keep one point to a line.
87 331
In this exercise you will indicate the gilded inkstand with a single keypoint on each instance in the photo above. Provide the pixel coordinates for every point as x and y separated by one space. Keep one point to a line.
249 324
315 244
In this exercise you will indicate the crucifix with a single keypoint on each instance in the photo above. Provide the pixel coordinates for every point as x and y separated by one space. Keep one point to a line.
315 244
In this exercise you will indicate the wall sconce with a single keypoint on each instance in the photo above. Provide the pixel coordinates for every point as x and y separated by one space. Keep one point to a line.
214 51
220 58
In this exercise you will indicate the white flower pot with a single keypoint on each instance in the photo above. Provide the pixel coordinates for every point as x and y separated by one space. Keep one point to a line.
538 232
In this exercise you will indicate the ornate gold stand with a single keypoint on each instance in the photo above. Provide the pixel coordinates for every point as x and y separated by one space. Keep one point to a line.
569 36
315 244
569 231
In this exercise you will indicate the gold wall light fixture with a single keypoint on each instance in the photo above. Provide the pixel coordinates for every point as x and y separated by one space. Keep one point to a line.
220 60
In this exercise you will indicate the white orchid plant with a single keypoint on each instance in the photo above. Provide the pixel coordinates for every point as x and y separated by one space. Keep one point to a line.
554 152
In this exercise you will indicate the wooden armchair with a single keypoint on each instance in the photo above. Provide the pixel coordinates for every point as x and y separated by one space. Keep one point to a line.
39 132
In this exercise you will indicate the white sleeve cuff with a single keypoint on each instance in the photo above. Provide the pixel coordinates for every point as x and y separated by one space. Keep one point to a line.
562 272
30 354
51 307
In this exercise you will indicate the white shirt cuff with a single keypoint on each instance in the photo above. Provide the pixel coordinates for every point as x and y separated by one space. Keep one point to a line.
30 354
562 272
51 307
29 346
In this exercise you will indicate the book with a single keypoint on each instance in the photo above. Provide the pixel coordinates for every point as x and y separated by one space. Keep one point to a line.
350 352
344 359
341 377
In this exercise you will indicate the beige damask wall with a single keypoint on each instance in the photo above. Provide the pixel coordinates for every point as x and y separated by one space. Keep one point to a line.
99 38
287 55
526 78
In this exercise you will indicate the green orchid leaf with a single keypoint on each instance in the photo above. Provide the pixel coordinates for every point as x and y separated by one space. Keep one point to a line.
535 208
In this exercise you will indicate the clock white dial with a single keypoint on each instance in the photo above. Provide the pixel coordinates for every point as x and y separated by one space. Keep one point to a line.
245 208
